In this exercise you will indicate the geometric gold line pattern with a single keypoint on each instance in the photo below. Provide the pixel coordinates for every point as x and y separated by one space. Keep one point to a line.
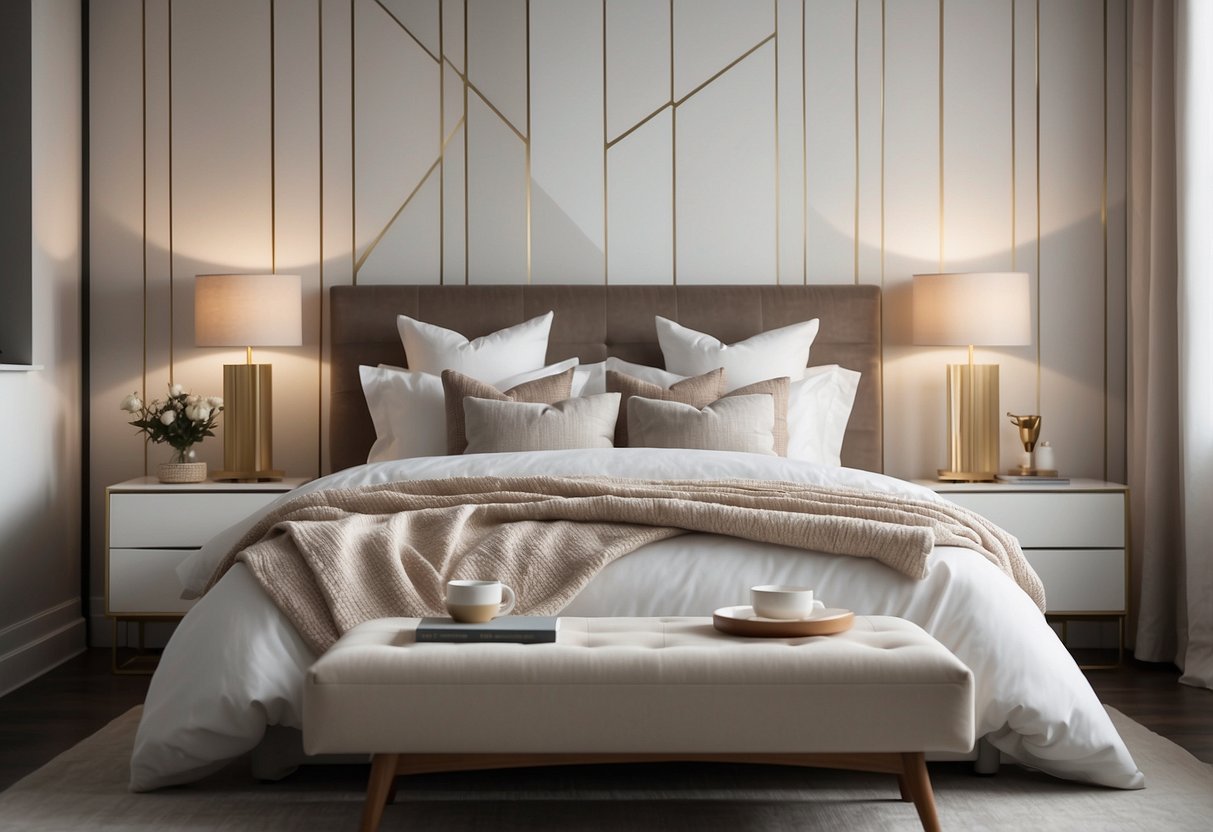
443 61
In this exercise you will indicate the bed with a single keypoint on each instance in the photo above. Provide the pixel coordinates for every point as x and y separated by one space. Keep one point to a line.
232 675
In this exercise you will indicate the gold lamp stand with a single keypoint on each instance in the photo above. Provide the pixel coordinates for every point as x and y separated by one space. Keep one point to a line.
972 422
248 423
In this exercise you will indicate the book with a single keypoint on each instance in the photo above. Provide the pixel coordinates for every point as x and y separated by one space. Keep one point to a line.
508 629
1029 479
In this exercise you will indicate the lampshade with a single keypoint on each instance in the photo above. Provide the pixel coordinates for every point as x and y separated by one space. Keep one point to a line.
248 310
973 308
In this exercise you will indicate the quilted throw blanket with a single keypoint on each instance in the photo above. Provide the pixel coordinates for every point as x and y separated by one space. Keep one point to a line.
334 558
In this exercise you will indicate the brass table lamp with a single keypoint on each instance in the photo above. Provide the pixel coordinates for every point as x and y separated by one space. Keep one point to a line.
248 310
972 309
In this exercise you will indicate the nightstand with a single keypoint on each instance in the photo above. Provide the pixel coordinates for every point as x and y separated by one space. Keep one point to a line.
151 528
1075 536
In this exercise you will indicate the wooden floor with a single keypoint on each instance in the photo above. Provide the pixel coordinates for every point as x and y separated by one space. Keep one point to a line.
54 712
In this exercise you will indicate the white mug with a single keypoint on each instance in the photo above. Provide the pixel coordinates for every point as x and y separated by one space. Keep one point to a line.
475 602
783 602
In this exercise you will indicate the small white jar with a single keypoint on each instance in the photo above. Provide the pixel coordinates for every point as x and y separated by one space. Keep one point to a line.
1045 461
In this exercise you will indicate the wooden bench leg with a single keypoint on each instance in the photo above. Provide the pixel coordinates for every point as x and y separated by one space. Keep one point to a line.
918 782
378 789
905 790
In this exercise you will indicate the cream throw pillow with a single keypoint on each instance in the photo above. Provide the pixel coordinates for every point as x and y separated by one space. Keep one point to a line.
697 392
734 423
499 427
771 354
457 387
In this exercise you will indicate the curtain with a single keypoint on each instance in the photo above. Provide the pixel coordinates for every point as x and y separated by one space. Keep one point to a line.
1171 332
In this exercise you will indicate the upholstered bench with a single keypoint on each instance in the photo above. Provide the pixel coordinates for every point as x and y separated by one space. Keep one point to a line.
641 689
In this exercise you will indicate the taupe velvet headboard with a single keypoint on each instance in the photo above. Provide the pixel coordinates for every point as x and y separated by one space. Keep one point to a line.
594 322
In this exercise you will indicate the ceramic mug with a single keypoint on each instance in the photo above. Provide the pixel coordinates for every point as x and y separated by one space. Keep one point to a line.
475 602
783 602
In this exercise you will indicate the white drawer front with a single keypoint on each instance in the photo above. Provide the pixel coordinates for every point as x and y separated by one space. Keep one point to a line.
178 520
1052 520
1081 580
143 581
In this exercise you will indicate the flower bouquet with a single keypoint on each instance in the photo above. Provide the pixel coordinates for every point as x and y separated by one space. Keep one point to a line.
182 420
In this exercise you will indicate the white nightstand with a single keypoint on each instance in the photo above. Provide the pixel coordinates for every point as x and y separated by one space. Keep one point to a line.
152 527
1075 536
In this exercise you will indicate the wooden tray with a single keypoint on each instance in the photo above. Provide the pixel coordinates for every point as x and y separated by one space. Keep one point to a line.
741 621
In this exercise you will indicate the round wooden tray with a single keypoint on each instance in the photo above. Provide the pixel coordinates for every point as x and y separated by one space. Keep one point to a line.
741 621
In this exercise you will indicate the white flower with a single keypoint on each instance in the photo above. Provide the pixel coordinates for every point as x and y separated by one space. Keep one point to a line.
175 390
167 417
214 401
197 412
132 404
193 399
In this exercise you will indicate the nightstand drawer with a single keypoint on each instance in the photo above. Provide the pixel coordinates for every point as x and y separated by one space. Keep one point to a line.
178 520
1051 520
1081 580
144 581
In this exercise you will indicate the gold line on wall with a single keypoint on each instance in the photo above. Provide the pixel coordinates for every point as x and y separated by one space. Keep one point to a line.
442 148
143 138
1036 49
353 148
409 32
467 125
778 206
804 149
679 102
1103 221
1014 215
673 161
320 224
941 212
273 157
528 141
606 264
855 69
379 237
498 113
882 137
171 248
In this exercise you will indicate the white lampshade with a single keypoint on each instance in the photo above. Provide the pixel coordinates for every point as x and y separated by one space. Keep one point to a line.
248 310
973 308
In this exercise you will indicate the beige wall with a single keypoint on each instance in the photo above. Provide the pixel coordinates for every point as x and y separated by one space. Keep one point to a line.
451 141
40 411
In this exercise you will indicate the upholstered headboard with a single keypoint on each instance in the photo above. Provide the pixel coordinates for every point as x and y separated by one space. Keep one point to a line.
594 322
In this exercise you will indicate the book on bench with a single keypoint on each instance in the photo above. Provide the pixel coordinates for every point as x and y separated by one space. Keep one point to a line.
515 629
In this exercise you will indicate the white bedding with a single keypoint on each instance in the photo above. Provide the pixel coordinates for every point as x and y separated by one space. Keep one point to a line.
235 665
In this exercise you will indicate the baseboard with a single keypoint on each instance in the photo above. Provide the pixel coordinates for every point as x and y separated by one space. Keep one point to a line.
36 644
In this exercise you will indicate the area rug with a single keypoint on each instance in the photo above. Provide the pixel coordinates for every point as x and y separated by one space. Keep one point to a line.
85 789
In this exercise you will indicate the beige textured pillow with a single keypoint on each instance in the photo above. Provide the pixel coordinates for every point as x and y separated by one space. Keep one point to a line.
696 391
734 423
456 387
502 426
779 389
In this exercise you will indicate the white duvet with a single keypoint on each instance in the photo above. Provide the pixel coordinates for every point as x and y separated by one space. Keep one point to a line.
235 665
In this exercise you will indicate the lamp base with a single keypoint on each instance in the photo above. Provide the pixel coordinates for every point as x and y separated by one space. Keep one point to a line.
248 476
965 476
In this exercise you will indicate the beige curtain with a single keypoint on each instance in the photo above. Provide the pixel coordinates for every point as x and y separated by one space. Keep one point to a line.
1171 332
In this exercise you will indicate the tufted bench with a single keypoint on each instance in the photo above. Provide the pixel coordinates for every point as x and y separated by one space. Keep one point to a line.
641 689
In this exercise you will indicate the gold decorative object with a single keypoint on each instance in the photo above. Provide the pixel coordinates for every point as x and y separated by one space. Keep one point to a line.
1029 435
967 309
248 310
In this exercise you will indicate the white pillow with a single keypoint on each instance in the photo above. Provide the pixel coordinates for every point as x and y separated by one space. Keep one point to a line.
771 354
408 408
735 423
819 407
491 358
590 379
499 427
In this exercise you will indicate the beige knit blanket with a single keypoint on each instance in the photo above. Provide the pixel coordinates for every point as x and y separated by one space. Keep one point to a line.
332 559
